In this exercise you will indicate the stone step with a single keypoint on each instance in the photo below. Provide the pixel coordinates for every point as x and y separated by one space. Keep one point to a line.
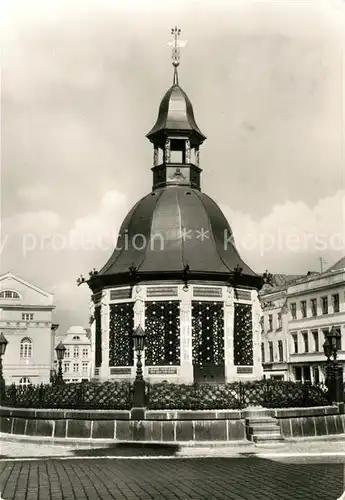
264 430
264 438
260 420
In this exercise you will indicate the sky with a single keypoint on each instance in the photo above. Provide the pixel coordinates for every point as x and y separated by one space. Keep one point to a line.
81 83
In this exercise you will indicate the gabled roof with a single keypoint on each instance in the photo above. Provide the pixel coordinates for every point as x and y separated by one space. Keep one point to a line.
5 276
340 264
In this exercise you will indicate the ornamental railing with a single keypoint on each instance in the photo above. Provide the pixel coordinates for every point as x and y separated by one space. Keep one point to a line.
119 396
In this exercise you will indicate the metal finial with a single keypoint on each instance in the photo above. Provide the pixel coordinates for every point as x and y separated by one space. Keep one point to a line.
176 44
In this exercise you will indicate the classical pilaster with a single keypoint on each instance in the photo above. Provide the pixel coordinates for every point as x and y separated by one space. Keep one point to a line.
104 371
256 315
139 317
186 357
230 369
197 156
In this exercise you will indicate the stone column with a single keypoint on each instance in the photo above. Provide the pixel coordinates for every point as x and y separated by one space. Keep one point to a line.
167 151
186 356
257 313
230 369
93 336
104 368
155 156
139 318
197 156
188 151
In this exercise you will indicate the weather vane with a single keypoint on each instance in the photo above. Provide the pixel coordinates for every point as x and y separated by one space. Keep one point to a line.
176 44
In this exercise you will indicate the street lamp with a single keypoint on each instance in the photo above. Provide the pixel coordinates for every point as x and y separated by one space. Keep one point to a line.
3 345
334 371
60 353
139 383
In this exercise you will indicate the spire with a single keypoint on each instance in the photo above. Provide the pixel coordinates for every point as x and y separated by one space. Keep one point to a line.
176 44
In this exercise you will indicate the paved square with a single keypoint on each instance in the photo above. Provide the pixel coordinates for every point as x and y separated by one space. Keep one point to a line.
249 478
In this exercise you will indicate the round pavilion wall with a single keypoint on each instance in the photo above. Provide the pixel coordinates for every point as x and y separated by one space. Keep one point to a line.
203 332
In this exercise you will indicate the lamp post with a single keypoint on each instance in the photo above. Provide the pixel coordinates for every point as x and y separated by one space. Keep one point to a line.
138 411
60 353
3 345
334 370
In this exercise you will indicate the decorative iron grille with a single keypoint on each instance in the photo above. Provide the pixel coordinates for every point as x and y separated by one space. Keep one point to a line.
243 335
208 333
98 337
121 327
162 325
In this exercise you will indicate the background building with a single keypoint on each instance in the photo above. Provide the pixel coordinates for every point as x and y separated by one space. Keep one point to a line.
77 362
26 321
274 324
296 315
315 304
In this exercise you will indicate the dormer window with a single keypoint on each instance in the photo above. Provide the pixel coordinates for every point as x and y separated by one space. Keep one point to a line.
9 294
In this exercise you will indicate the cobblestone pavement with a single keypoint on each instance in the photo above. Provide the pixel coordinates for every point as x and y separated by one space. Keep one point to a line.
250 478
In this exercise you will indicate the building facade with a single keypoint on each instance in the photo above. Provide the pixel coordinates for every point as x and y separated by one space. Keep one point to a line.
177 273
315 304
296 316
77 363
26 321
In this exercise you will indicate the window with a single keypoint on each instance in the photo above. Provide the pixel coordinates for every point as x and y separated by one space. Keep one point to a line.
75 380
24 382
85 366
66 366
26 348
76 337
335 299
270 345
262 352
304 308
306 341
9 294
76 352
339 339
27 316
316 374
313 306
75 367
324 302
295 342
280 350
298 373
293 310
67 353
270 322
279 318
85 352
315 335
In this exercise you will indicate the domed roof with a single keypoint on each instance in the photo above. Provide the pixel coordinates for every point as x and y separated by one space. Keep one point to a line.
171 228
175 114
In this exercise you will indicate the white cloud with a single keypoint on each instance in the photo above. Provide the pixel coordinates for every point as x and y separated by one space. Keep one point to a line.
34 193
99 230
292 234
43 222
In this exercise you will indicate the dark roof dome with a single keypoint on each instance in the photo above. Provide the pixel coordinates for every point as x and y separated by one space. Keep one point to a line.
171 228
175 114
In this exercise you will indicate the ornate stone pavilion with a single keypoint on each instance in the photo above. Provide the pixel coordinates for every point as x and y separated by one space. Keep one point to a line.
176 272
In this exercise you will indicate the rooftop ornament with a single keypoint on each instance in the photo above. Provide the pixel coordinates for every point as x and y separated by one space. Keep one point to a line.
81 280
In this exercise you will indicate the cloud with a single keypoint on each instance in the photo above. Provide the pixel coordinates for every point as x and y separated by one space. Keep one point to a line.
293 235
34 193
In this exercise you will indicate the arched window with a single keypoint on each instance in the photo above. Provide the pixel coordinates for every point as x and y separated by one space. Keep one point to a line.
24 382
9 294
76 337
26 348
